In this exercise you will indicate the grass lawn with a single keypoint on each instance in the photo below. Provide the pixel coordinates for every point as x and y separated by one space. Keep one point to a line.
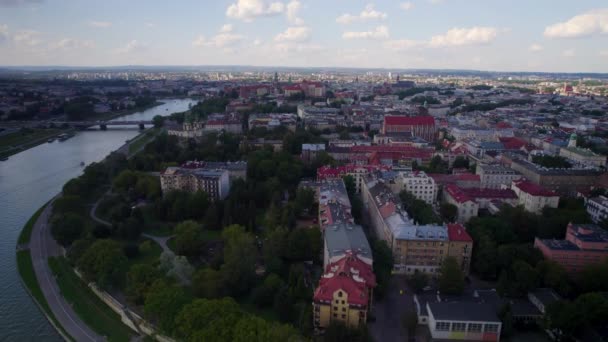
18 141
26 232
26 271
95 313
143 139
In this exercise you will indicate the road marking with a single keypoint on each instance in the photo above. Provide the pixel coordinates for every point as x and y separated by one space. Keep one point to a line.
46 274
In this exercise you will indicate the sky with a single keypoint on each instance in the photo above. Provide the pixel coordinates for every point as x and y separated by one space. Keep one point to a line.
505 35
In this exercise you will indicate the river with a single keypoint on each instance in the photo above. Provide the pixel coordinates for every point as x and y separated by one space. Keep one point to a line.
27 181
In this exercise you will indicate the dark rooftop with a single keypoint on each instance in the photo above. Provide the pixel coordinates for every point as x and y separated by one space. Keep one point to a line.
463 311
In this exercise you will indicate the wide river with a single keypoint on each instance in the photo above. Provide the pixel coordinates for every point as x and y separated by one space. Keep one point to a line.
27 181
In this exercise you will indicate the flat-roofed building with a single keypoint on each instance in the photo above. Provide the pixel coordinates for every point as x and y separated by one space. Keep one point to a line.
418 184
215 182
463 321
585 244
342 239
563 181
597 207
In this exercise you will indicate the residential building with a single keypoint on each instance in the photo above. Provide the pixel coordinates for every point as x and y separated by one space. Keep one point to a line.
417 126
534 198
597 207
342 239
461 246
236 169
344 293
186 130
469 200
358 172
260 143
562 181
543 297
495 176
419 185
584 244
310 151
463 321
467 207
581 156
273 120
215 182
334 205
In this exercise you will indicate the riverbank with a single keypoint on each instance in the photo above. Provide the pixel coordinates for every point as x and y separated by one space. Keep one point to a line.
15 142
115 115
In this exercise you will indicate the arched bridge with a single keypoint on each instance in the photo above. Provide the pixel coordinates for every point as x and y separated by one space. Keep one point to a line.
104 124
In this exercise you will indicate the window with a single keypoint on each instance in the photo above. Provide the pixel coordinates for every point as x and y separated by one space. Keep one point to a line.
442 326
343 316
340 294
474 327
491 328
459 326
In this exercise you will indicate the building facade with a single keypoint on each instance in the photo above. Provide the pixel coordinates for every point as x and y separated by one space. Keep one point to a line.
495 176
419 184
534 198
215 182
597 207
584 244
418 126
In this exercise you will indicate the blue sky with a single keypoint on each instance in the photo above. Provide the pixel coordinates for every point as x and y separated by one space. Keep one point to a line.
514 35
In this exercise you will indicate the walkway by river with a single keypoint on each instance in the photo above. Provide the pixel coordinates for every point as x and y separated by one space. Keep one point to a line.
27 181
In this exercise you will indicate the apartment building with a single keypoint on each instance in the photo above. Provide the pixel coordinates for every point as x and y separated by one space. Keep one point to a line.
495 176
215 182
419 184
534 198
584 244
597 207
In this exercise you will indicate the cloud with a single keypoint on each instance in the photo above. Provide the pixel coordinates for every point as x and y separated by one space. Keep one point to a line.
583 25
406 6
69 44
15 3
604 53
150 24
294 34
132 46
225 38
27 37
293 7
402 44
3 33
536 48
257 42
379 33
569 53
248 10
464 36
368 14
100 24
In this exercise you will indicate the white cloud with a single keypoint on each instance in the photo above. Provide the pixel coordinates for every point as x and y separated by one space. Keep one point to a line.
69 43
14 3
293 7
536 48
225 38
402 44
248 10
3 33
368 14
132 46
257 42
465 36
406 6
27 37
379 33
100 24
226 28
150 24
569 53
604 53
582 25
294 34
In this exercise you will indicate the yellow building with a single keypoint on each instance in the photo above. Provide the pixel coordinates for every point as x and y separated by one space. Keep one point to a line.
344 293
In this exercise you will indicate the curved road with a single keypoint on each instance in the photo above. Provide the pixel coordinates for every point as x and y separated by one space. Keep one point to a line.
43 246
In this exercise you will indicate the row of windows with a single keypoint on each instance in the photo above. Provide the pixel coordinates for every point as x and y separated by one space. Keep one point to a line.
472 327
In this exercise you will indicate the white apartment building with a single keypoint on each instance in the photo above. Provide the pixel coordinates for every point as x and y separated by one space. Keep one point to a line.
495 176
597 207
419 184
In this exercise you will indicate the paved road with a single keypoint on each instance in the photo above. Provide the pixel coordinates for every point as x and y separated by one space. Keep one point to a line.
391 311
43 246
93 211
161 240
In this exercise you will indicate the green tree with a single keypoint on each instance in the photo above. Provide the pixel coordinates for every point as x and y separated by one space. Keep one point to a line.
263 295
207 283
68 228
68 204
163 303
484 259
518 279
208 320
383 265
139 279
506 317
461 163
240 255
158 121
448 212
451 278
188 238
103 263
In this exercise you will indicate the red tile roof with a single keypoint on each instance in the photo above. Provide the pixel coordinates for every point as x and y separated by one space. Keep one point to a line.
350 275
457 194
456 232
533 189
409 120
462 195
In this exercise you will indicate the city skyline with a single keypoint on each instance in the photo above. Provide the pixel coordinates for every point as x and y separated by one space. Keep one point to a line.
417 34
